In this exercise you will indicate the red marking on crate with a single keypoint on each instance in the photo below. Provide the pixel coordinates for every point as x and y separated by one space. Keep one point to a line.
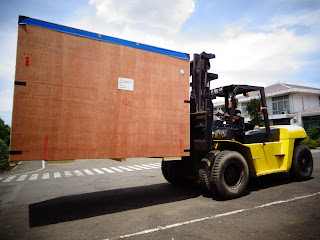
45 146
27 61
125 102
181 148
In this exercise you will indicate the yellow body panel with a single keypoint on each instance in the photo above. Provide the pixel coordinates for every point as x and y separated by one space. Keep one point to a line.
269 157
293 132
272 157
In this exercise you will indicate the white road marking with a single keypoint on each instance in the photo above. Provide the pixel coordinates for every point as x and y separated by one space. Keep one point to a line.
68 173
34 177
160 228
149 166
22 178
116 169
155 164
142 167
78 173
127 169
43 167
135 168
9 179
56 175
98 171
45 176
107 170
87 171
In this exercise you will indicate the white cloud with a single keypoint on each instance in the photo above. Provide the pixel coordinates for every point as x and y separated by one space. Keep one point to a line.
246 55
165 14
302 18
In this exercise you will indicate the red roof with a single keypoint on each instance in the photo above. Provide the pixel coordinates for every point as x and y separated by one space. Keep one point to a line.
308 112
278 87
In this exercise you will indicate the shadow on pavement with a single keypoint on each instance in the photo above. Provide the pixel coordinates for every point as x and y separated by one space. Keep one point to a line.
88 205
272 180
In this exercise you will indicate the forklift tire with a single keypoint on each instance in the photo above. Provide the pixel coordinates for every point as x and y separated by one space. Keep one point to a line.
302 163
205 171
230 174
174 172
168 171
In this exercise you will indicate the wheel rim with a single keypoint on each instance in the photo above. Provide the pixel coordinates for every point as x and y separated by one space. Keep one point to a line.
233 175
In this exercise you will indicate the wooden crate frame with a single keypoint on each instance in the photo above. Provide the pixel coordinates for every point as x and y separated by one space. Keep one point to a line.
73 99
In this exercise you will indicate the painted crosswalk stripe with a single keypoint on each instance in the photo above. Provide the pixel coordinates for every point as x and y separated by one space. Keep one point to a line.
127 169
45 176
9 179
107 170
149 166
34 177
116 169
78 173
68 174
135 168
155 164
22 178
87 171
97 170
139 166
56 175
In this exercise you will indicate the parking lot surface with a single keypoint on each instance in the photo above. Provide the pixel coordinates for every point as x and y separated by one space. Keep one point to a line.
104 199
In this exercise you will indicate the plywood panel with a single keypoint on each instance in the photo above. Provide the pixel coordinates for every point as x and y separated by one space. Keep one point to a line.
71 107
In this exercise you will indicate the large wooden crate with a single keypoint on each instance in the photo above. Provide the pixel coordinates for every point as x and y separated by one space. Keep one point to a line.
81 95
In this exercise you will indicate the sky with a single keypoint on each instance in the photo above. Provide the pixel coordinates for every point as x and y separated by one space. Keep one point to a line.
255 42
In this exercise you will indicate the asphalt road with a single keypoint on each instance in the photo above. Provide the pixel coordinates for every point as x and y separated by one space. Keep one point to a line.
104 199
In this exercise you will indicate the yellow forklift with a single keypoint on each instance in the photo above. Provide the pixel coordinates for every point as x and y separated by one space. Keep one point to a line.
224 155
240 152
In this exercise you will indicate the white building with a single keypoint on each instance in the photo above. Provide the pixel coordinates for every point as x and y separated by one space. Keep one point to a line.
287 104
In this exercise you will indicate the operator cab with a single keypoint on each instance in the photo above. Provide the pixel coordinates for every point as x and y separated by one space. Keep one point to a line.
231 125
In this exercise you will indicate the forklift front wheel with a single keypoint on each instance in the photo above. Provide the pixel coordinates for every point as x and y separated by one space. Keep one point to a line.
206 165
229 174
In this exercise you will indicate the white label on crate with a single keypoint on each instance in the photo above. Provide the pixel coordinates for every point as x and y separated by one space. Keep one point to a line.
126 84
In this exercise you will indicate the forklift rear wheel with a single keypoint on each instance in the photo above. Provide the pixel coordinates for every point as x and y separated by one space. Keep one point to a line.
230 174
302 163
205 171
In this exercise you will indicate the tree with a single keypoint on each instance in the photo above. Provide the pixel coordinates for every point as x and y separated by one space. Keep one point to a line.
4 146
253 108
314 133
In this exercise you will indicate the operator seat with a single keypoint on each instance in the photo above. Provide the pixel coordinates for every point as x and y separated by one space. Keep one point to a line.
239 131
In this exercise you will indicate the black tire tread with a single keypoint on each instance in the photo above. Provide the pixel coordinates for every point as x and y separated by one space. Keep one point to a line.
295 168
205 171
215 176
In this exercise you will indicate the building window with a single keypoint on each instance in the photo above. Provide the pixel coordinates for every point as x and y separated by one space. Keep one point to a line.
280 105
244 110
311 122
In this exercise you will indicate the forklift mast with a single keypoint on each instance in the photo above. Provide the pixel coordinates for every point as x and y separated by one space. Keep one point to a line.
201 107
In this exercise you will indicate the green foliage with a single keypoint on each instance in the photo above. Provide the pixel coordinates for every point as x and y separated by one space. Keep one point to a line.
314 133
253 108
4 146
312 144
